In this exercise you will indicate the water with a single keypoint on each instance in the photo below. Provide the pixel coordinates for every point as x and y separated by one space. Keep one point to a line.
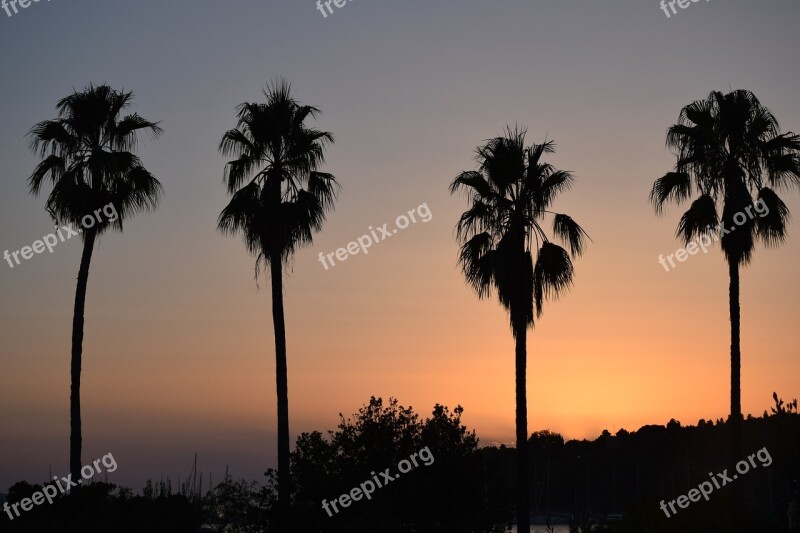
542 529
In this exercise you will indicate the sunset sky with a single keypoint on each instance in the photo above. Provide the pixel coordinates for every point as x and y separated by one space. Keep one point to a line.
179 353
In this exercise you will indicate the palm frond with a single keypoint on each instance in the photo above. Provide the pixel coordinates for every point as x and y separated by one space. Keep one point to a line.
242 214
773 218
473 183
477 218
324 187
239 171
52 136
477 259
70 199
554 184
124 136
570 233
782 161
700 219
53 165
673 186
236 143
552 274
135 192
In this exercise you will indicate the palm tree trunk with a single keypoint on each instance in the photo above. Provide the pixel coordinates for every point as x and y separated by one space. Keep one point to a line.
523 490
736 354
736 395
284 490
75 440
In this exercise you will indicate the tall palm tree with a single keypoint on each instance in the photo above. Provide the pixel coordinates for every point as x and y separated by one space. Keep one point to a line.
87 155
279 200
499 234
730 151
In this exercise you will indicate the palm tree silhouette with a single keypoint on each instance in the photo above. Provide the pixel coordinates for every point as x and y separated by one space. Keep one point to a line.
279 200
729 148
510 195
87 155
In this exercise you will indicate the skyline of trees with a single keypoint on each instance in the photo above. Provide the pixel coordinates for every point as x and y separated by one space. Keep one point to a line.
729 150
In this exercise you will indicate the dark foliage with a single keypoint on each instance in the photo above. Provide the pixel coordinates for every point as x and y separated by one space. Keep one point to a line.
613 484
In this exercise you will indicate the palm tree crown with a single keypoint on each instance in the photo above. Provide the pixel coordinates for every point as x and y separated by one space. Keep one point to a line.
86 153
730 150
279 197
510 196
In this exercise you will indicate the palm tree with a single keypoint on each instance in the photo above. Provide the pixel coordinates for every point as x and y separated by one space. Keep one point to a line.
729 150
279 200
510 195
87 155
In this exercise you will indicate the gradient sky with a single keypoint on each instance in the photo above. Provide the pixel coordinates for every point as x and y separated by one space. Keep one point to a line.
178 354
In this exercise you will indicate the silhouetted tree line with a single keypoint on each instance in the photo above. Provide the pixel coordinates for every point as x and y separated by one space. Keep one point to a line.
611 484
629 473
452 493
728 149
